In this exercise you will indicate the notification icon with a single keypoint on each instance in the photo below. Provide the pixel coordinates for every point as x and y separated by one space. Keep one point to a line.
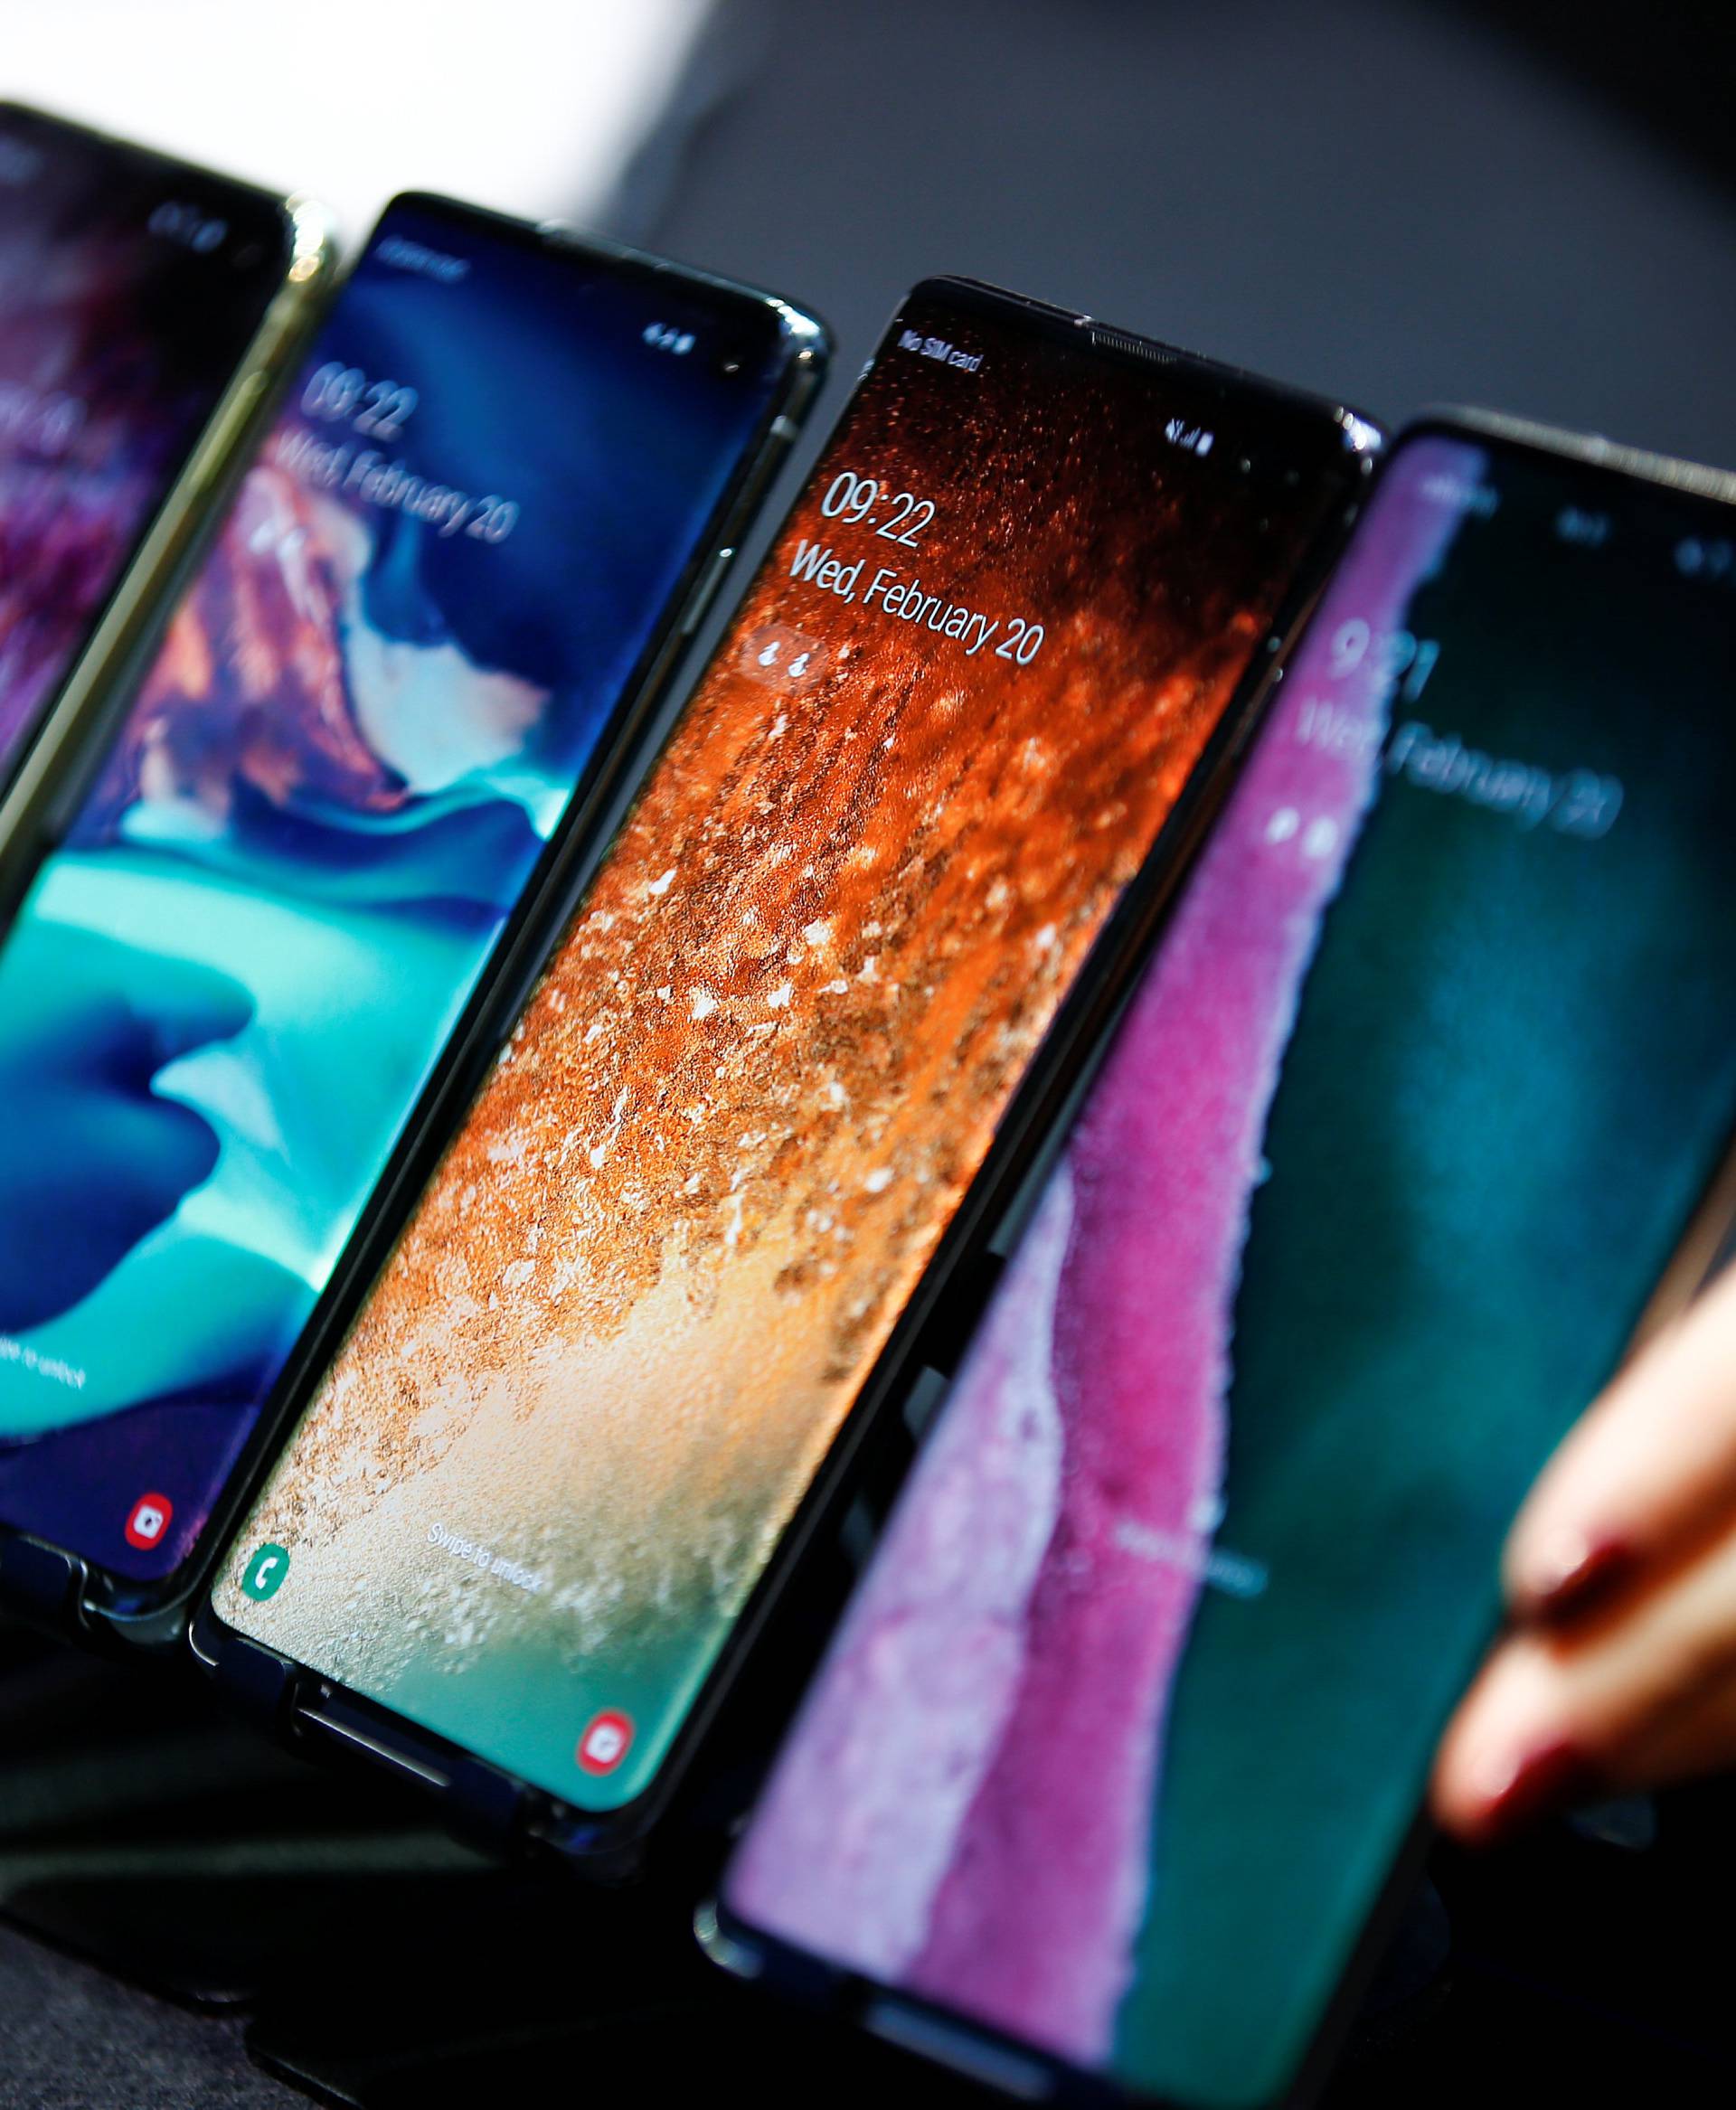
150 1518
782 657
607 1738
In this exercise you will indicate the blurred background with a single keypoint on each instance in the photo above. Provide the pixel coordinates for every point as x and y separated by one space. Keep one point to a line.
1394 202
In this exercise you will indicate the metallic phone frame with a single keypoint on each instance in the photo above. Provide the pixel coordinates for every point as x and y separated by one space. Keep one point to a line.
79 1598
38 789
489 1802
978 2050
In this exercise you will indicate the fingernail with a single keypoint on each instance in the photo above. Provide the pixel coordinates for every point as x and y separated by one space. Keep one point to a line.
1576 1574
1528 1784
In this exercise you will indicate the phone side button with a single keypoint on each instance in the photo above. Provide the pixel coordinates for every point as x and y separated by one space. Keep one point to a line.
701 597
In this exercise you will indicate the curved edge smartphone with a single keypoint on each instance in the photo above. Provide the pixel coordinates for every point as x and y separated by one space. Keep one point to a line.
1420 1113
1165 606
190 215
373 899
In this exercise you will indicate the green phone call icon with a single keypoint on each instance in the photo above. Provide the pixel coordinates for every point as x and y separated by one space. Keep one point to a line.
262 1578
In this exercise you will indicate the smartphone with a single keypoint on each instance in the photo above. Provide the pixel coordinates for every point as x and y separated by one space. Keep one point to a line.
529 1522
301 886
1418 1099
145 307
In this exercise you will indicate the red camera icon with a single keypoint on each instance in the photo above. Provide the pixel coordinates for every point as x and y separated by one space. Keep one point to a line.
150 1518
606 1740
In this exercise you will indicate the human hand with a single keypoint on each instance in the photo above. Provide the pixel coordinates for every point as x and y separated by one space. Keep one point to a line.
1619 1671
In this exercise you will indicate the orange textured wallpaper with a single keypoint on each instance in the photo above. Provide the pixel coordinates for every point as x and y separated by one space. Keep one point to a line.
628 1317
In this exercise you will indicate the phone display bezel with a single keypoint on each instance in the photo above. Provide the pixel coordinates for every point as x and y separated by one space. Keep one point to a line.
310 1708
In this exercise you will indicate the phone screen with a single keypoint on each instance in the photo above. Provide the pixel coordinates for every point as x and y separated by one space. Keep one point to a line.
629 1316
1134 1705
130 287
231 983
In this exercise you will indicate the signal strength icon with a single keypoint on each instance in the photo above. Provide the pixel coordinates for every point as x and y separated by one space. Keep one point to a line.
1194 437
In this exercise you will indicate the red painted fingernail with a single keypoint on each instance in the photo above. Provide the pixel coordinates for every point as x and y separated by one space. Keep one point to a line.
1587 1574
1553 1775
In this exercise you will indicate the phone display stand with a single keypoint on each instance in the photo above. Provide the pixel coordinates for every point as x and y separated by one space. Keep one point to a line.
521 1991
380 1966
1562 1973
145 1830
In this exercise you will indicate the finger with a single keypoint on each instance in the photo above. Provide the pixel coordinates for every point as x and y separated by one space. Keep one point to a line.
1650 1468
1510 1753
1556 1717
1690 1743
